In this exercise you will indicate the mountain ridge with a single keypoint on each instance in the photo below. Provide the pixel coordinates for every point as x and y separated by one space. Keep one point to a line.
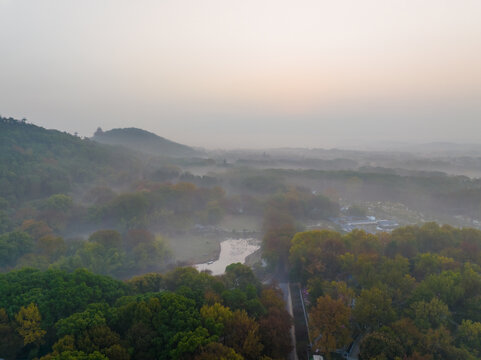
143 141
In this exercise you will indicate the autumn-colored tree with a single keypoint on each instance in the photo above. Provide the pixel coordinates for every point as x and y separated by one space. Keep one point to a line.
51 246
116 352
274 327
107 238
36 229
417 356
315 252
279 228
403 242
215 318
408 334
361 242
65 345
243 335
340 291
329 323
439 343
381 345
28 321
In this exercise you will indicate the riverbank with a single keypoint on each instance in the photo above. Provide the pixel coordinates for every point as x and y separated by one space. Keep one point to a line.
232 251
202 243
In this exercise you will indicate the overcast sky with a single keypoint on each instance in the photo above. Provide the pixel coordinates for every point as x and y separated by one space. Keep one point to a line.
250 73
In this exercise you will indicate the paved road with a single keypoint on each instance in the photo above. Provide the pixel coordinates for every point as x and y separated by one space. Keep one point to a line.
287 298
354 353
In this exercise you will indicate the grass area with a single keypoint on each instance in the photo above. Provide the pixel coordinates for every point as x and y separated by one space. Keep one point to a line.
195 248
239 223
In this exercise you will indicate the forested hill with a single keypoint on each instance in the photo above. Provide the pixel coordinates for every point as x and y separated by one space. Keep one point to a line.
36 162
144 141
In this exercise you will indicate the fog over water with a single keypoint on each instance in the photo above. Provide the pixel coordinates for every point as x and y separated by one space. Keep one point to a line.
229 74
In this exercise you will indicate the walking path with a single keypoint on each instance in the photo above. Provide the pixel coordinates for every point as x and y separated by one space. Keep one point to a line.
287 298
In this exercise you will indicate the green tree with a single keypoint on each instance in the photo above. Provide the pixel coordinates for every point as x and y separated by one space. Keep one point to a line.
10 342
469 336
217 351
373 309
430 314
13 245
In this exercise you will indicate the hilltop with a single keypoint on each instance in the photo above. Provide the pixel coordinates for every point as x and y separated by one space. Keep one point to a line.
143 141
36 162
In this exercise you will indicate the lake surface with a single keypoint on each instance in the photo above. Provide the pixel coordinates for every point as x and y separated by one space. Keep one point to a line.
231 251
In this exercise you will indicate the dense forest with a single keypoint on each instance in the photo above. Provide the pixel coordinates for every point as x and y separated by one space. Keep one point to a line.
182 314
35 162
412 294
91 266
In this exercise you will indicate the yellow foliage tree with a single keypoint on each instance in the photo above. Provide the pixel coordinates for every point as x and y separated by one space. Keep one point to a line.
28 321
329 323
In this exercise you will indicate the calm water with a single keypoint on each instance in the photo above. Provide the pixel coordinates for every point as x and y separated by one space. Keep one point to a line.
231 251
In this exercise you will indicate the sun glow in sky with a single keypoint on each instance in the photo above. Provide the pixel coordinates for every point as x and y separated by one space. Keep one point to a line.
227 73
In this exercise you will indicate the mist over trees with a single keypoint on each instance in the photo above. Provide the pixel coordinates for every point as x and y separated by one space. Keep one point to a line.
91 266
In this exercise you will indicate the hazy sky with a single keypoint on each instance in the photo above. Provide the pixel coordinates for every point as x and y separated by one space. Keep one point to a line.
250 73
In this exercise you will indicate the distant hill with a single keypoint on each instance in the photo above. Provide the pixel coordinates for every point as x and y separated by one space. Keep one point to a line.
144 141
36 162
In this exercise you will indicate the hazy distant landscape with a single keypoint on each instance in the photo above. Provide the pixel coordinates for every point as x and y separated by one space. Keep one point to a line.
225 180
138 204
